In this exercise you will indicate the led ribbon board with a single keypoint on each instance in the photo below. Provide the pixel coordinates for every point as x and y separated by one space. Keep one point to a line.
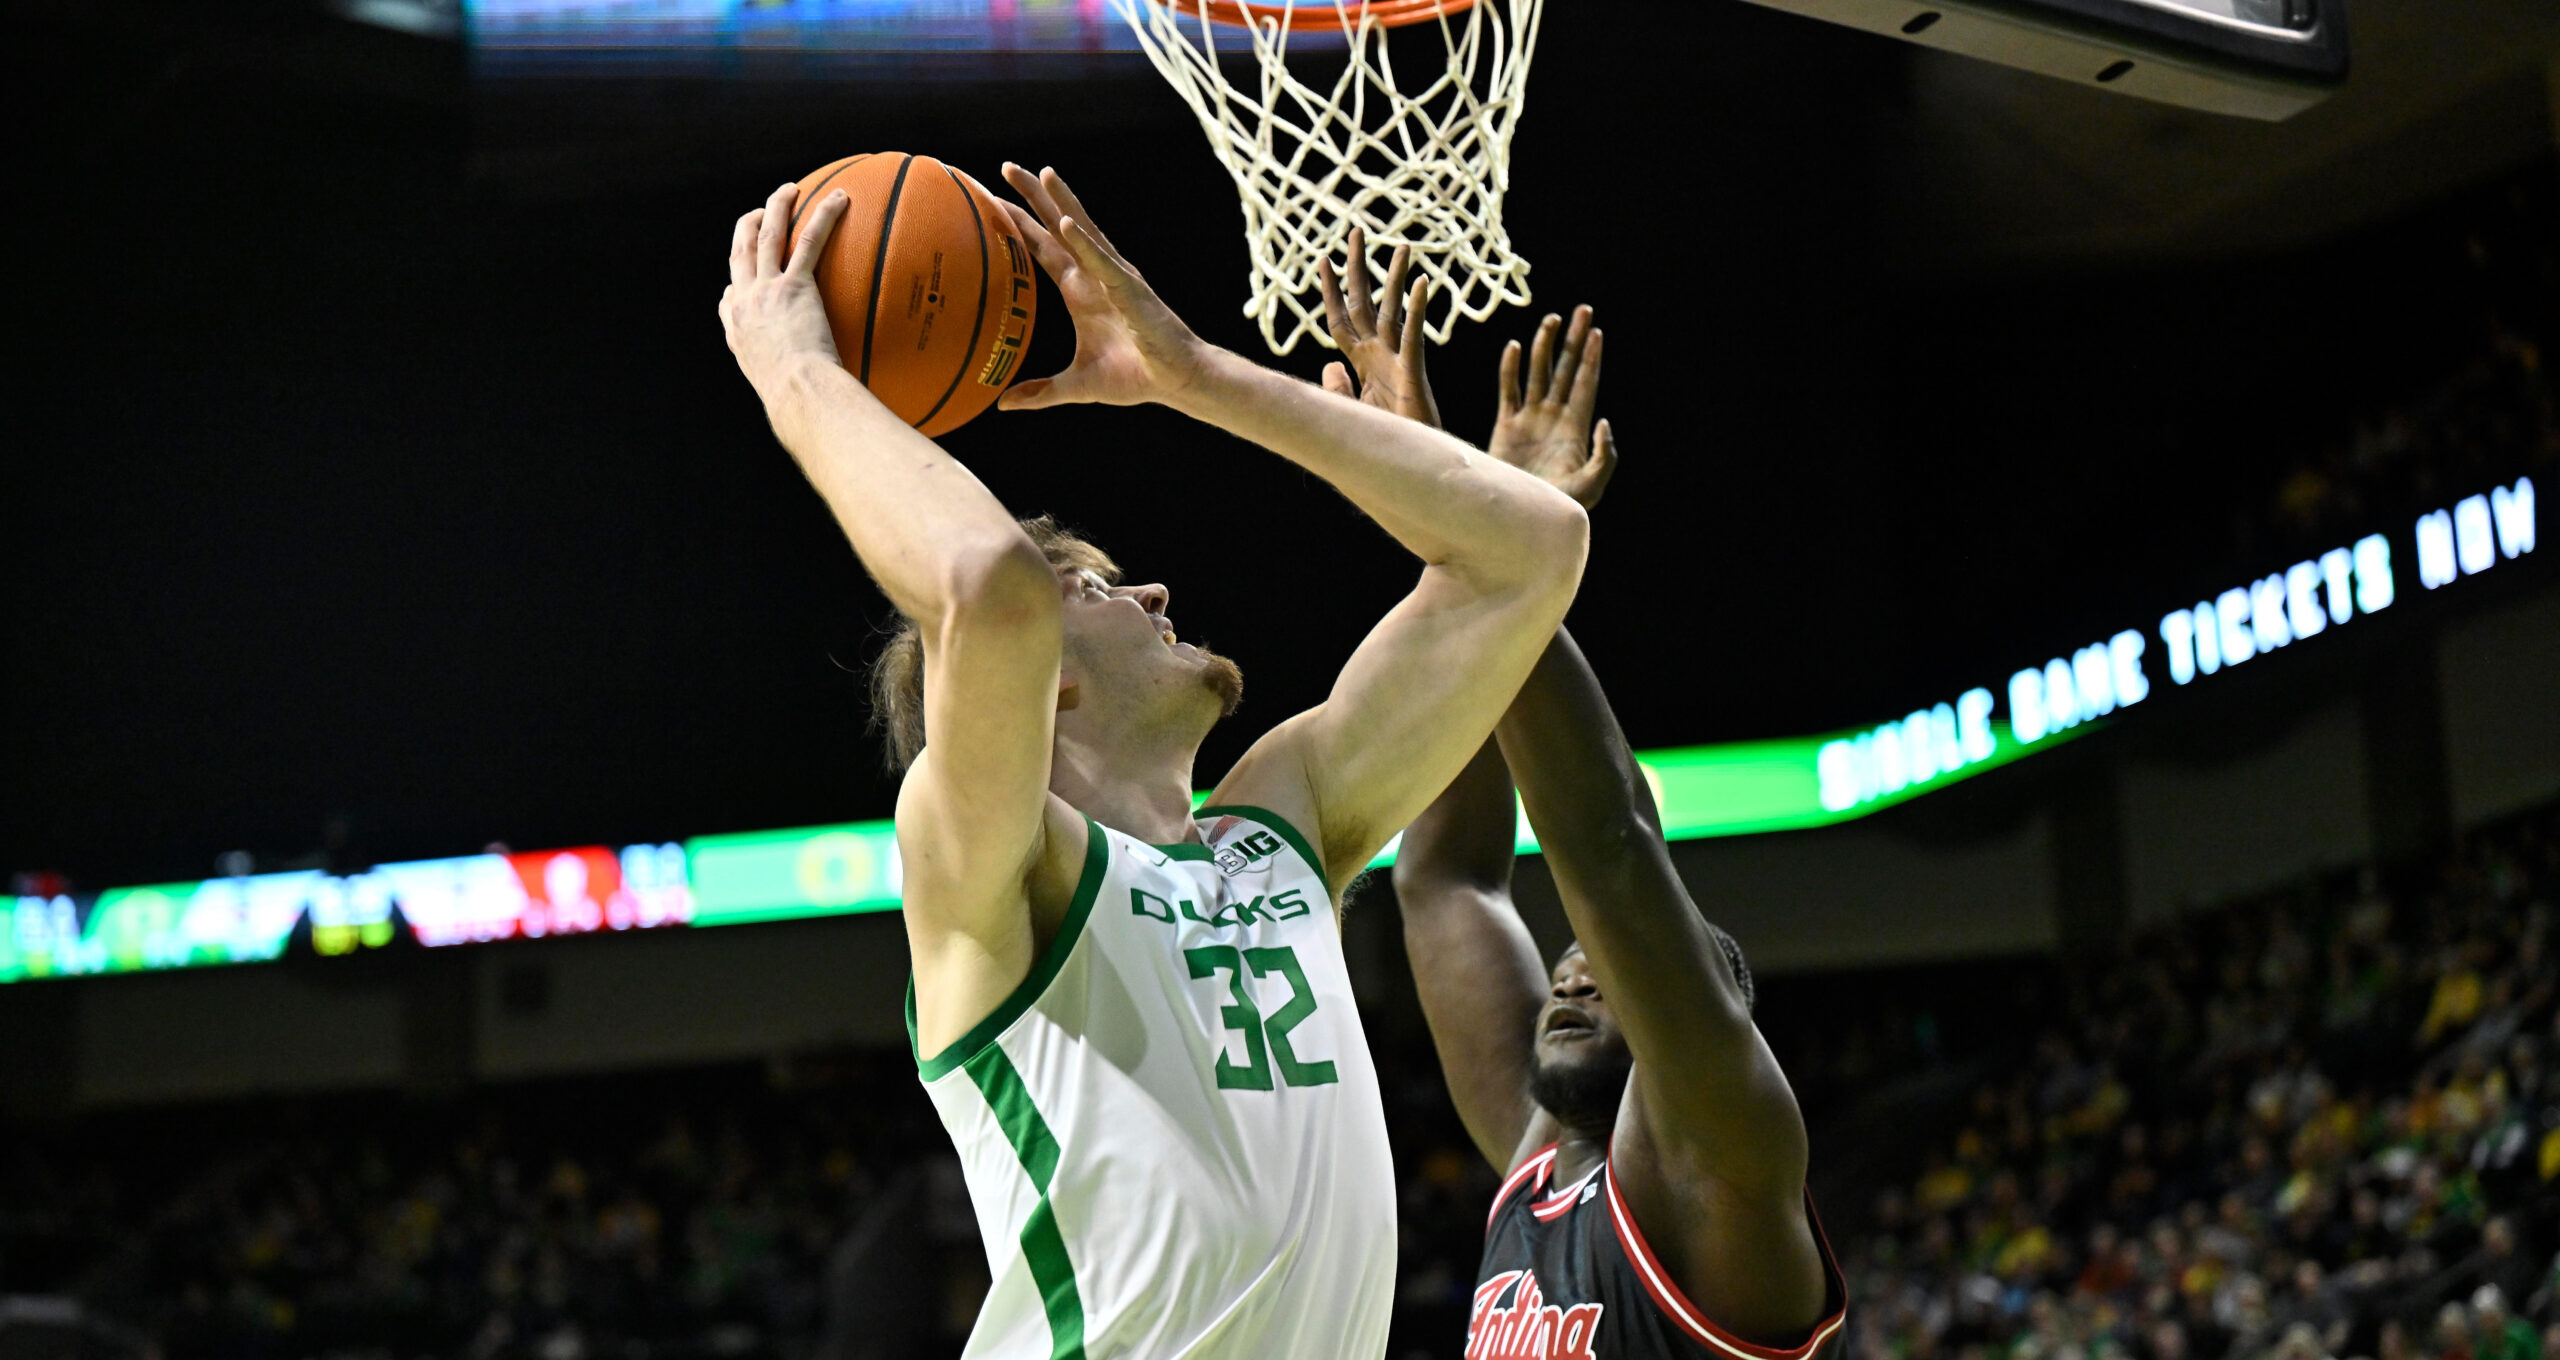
2251 619
1734 789
254 917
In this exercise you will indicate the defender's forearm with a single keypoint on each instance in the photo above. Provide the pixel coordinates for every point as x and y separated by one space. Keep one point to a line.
1455 508
1707 1078
925 527
1601 834
1477 974
1466 837
1475 968
1578 779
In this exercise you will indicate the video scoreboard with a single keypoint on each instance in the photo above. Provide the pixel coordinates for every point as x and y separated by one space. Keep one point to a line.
723 37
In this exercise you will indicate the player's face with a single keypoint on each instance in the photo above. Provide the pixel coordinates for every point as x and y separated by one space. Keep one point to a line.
1122 639
1582 1057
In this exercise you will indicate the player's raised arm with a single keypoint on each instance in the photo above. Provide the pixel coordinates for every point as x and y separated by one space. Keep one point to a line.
1709 1148
1501 551
1703 1074
1473 961
951 558
1474 964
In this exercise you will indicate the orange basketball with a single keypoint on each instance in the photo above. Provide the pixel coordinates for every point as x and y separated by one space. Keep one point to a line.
927 284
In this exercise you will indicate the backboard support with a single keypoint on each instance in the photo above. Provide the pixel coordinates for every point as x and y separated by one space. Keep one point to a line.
2177 52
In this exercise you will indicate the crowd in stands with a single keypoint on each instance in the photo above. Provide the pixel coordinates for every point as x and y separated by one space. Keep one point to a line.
808 1211
2489 416
2318 1125
2484 425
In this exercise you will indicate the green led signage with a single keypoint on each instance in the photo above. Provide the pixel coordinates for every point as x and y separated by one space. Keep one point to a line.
1740 788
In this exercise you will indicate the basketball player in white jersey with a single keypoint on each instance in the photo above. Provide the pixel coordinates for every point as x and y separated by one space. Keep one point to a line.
1653 1206
1134 1017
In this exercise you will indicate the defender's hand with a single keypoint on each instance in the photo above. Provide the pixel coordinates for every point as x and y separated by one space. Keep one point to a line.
771 309
1543 425
1383 345
1130 347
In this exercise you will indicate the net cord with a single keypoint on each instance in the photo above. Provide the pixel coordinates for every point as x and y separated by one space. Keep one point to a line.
1308 163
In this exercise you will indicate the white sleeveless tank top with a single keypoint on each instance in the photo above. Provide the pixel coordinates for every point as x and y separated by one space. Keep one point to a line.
1171 1131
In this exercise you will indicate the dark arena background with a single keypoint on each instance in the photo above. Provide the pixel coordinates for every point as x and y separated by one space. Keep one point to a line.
384 510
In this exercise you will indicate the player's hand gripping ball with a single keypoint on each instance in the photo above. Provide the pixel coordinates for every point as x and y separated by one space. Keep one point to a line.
927 285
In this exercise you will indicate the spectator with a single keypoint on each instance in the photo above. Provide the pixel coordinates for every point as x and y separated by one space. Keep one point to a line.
2500 1335
2453 1333
2316 1178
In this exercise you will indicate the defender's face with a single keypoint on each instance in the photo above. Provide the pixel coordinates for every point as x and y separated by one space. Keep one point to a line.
1582 1060
1576 1028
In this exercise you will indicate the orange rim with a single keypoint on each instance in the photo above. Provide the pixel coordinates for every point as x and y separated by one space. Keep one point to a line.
1313 14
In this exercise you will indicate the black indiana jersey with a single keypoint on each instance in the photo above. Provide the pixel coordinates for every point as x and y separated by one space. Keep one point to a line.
1568 1276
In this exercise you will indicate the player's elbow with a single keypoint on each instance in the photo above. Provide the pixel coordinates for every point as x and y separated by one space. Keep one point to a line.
1416 876
1427 875
1616 849
1554 540
1003 584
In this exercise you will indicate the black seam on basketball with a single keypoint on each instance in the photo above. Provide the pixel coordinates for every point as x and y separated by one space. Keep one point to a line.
978 321
879 262
801 207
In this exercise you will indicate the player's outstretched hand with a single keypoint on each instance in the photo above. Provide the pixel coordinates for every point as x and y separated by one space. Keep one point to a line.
1130 347
1383 341
1543 424
771 309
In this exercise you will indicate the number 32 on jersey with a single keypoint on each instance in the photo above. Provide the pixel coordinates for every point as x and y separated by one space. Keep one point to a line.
1266 1036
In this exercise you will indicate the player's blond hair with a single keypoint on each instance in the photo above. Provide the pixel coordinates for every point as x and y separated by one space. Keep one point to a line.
897 674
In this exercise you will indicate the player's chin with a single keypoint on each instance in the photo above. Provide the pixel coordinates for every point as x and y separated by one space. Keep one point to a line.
1576 1046
1221 677
1582 1077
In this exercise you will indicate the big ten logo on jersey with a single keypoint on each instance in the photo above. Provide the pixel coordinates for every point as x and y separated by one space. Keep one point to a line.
1528 1327
1223 913
1248 850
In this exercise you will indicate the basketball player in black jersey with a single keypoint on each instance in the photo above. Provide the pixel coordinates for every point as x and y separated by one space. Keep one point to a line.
1654 1201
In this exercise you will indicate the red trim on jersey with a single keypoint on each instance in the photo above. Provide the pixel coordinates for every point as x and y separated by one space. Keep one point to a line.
1556 1205
1667 1295
1537 1165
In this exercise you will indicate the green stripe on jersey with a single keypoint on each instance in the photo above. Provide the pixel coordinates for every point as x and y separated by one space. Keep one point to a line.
981 1036
1044 1248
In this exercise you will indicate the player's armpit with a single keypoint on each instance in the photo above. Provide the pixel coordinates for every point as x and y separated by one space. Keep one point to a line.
1748 1260
1413 704
963 976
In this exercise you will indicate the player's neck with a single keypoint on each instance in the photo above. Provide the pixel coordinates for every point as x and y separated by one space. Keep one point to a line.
1579 1149
1139 787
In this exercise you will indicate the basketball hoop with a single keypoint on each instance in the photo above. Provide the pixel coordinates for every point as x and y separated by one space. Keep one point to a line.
1426 170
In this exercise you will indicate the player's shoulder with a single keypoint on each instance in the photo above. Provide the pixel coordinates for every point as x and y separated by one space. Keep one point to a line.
1269 786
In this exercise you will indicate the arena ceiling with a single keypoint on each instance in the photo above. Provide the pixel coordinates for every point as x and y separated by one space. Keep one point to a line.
1967 164
1997 165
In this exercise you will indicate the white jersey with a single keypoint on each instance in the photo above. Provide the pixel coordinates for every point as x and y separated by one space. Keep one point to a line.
1171 1130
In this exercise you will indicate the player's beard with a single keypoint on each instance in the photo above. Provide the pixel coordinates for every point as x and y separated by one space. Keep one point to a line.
1583 1091
1224 679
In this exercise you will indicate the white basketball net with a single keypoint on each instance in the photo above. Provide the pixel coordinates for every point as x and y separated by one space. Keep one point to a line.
1426 170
